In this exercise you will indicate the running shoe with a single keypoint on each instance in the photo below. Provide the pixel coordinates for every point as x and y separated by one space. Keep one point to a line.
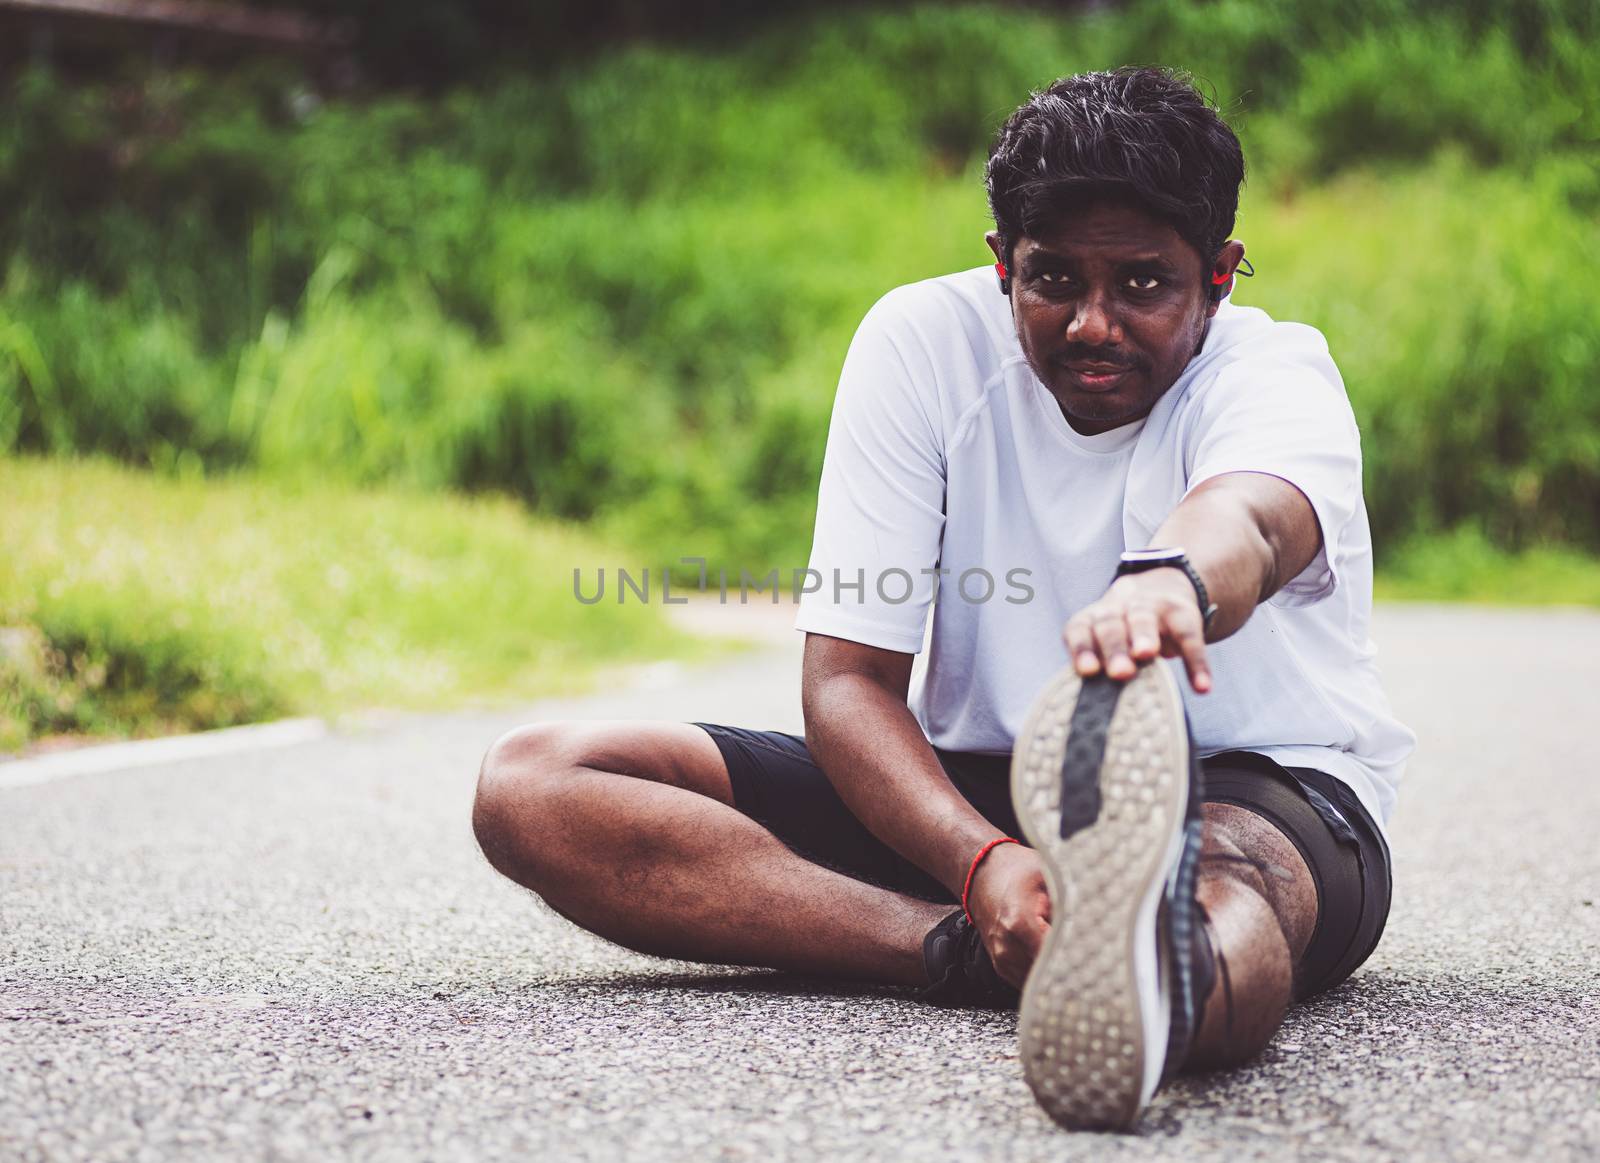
1107 789
959 970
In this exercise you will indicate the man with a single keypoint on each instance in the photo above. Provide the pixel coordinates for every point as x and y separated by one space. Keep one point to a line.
1094 393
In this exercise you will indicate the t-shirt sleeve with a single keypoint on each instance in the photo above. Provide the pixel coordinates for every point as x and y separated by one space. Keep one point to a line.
880 505
1287 415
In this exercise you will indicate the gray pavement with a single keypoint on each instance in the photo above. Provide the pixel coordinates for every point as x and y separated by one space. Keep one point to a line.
298 954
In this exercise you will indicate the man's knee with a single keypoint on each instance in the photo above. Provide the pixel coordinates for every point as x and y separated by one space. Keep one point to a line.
520 773
539 778
541 783
1248 848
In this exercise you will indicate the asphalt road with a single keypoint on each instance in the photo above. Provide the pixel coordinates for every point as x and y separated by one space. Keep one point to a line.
299 954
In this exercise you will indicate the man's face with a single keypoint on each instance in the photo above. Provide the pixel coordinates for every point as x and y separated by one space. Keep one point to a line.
1109 308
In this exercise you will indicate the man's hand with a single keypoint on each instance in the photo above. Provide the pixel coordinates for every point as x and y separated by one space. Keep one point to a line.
1012 909
1141 616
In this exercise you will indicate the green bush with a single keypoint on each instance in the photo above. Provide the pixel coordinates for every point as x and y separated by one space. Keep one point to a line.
620 291
118 663
1396 95
85 372
1458 306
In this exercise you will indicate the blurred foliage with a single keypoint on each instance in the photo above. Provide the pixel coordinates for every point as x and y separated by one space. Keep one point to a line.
1465 566
1459 304
135 604
434 42
620 290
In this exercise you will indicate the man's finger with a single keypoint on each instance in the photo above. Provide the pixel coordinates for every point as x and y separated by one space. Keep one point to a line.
1187 632
1032 937
1012 970
1080 646
1111 637
1144 632
1014 953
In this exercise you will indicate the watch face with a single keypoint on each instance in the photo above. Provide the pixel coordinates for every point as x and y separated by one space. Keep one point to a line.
1151 556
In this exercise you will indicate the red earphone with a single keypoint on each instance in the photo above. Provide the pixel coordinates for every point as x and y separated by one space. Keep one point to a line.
1222 283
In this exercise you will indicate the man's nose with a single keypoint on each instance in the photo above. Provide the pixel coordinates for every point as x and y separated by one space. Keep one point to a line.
1093 323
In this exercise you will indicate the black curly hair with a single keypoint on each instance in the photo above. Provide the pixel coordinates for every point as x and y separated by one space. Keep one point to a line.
1145 134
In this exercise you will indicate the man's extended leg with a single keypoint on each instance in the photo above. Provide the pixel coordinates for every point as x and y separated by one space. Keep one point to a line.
1180 925
628 829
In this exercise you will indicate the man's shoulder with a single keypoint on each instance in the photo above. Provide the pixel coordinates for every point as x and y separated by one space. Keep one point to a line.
1248 335
1256 373
1248 356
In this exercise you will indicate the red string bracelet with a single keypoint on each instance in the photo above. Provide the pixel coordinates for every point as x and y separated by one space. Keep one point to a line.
973 870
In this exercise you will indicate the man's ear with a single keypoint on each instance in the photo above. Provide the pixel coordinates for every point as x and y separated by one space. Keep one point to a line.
1001 267
1220 278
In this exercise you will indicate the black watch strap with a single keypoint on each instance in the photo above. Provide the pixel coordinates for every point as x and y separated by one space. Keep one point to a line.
1141 560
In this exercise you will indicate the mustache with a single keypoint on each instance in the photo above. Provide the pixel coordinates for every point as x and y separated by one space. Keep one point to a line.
1077 353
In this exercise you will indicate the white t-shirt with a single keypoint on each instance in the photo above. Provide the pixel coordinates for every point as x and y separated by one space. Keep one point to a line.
951 474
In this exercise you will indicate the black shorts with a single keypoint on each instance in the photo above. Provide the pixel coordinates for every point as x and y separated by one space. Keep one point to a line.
776 783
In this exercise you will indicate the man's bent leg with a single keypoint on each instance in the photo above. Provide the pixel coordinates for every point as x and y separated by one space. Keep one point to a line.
1261 903
629 830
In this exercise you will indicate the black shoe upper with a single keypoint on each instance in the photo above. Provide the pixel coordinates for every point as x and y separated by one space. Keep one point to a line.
959 970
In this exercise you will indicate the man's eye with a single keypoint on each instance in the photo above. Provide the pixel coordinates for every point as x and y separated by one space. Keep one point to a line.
1054 278
1144 282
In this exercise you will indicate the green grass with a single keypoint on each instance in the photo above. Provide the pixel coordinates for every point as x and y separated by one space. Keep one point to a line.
1466 567
132 604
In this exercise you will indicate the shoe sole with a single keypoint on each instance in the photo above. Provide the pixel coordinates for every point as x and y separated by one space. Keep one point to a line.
1095 1011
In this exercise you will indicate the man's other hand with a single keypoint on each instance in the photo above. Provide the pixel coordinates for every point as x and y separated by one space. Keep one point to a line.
1141 616
1012 909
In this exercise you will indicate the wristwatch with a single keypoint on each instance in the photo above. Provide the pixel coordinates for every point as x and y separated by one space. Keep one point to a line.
1139 560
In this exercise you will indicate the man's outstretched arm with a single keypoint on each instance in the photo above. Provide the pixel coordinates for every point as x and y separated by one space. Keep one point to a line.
1247 534
865 738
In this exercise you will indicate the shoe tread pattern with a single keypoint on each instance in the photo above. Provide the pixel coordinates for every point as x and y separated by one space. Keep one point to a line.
1086 747
1081 1029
